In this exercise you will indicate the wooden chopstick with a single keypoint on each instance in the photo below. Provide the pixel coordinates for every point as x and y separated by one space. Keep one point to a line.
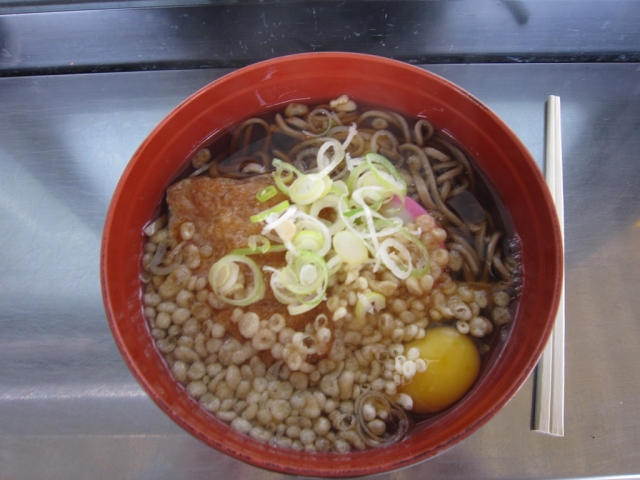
549 398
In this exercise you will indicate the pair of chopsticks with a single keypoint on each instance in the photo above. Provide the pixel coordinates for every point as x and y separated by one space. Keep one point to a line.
549 388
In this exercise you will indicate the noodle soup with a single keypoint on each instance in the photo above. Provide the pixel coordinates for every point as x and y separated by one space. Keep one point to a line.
327 276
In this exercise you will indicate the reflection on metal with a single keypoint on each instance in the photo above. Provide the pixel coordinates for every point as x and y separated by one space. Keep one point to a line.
105 391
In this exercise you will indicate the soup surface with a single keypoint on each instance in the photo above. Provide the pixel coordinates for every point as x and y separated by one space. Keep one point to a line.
326 276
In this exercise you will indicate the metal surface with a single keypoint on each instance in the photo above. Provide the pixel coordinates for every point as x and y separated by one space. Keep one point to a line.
234 35
69 408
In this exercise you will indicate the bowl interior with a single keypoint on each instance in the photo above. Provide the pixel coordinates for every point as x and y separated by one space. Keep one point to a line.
308 78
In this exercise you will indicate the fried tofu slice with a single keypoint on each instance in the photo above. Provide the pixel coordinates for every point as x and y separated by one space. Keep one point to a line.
220 208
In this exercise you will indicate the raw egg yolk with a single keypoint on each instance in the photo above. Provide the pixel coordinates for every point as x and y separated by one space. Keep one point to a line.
453 363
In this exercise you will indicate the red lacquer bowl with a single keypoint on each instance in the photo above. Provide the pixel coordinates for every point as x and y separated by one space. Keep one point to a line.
308 78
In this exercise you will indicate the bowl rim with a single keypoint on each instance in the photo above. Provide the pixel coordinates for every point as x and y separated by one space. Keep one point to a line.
297 467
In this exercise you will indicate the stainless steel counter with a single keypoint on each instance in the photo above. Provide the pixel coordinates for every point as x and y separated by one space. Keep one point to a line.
69 407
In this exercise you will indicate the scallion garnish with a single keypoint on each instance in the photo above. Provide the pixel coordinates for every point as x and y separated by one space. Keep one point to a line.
266 193
347 222
224 280
259 217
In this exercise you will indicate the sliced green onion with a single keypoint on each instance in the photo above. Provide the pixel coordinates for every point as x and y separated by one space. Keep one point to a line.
369 302
359 197
266 193
286 231
281 180
253 241
282 294
421 264
401 269
308 240
338 156
307 222
354 162
351 225
308 275
287 167
334 264
312 270
302 284
368 179
353 131
378 300
250 251
219 279
350 248
298 309
291 280
396 206
259 217
375 206
225 276
388 176
339 188
387 226
305 274
330 201
372 193
273 221
353 211
355 175
306 189
311 300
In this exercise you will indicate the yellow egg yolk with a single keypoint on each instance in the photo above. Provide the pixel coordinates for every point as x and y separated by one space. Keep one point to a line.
453 363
